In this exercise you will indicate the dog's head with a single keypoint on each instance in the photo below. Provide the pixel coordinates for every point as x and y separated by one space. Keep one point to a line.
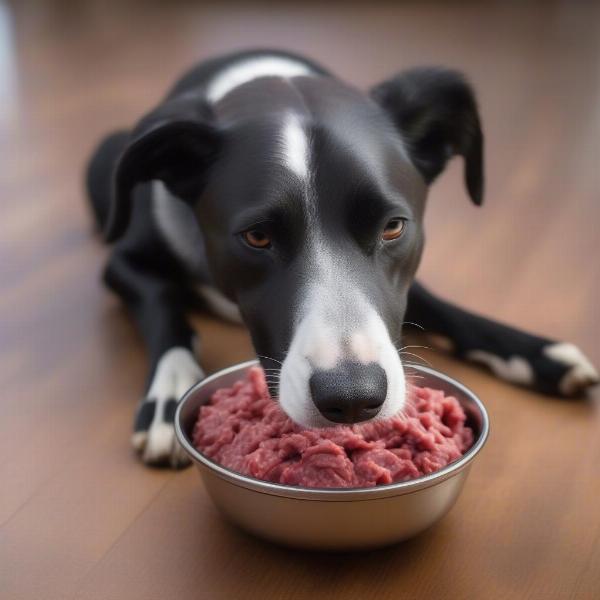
310 198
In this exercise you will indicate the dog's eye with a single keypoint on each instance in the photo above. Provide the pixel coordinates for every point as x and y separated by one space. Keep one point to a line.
256 238
393 230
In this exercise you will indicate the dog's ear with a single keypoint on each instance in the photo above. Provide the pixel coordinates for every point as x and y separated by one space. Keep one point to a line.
175 144
436 112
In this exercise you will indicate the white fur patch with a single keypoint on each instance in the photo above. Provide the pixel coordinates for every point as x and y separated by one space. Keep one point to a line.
323 349
162 445
363 346
515 369
177 224
582 373
253 68
175 373
219 304
295 147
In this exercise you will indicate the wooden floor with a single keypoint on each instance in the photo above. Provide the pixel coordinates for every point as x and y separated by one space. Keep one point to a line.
79 517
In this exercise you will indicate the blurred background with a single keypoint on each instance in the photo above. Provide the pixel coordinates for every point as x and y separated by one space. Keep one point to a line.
72 366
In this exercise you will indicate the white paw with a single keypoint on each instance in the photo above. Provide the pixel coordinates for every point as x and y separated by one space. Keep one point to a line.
154 435
580 376
158 446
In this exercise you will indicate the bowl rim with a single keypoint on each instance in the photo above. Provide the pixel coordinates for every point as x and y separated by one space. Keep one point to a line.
333 494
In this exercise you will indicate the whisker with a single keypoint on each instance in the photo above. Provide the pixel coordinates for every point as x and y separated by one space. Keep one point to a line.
426 347
269 358
415 324
417 356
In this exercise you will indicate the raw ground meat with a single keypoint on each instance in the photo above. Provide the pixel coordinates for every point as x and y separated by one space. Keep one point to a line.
243 429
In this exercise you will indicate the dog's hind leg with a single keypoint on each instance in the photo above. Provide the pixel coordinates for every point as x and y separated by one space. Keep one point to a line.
550 367
140 272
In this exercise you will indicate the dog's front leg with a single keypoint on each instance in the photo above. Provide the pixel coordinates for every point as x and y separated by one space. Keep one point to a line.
158 309
548 366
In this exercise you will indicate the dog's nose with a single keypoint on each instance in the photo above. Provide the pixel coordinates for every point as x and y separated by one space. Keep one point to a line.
350 393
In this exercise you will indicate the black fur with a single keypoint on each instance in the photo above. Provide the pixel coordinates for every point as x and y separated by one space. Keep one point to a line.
436 111
99 174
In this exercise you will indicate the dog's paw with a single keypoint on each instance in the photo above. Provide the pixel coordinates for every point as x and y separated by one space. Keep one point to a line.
154 431
577 372
158 446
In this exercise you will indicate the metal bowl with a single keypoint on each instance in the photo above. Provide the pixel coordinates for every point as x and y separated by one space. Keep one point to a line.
332 519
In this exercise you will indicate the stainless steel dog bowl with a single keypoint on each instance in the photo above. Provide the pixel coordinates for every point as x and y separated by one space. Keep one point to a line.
326 519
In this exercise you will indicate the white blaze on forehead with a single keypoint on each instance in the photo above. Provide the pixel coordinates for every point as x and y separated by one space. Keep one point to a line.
252 68
295 146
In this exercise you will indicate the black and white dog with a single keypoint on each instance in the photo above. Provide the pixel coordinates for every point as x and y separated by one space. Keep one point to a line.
293 202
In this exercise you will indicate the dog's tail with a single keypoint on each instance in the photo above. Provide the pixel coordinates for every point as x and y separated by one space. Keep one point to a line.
99 174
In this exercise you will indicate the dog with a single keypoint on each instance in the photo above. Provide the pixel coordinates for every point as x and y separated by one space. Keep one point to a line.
293 203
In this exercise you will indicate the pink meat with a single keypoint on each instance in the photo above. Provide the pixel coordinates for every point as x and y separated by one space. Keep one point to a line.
243 429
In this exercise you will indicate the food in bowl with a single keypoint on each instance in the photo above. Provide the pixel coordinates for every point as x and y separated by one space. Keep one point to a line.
244 429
